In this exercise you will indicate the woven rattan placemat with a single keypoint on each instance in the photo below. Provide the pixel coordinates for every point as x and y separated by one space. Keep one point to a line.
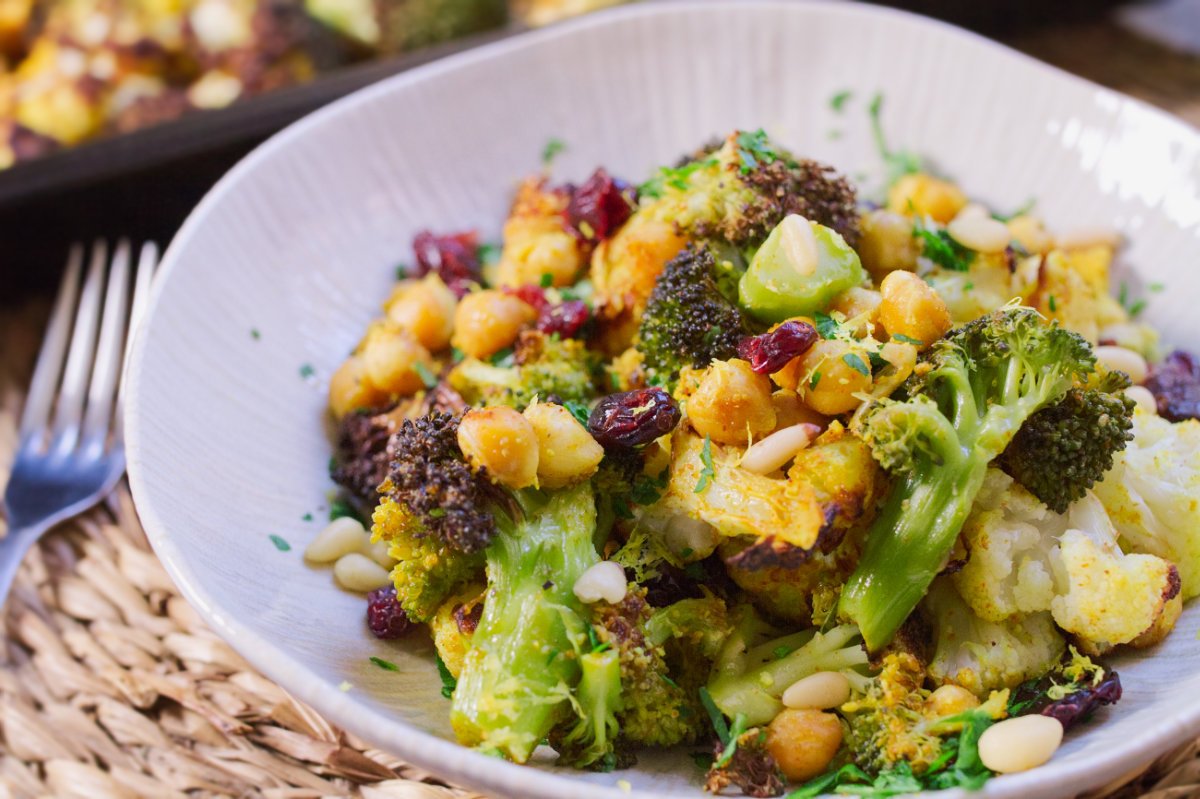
112 687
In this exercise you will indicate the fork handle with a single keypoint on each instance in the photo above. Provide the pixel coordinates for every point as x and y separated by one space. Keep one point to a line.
13 547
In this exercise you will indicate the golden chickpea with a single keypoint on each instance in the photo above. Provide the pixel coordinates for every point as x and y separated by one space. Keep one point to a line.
791 411
831 375
887 243
390 355
950 700
911 308
425 308
925 195
731 403
530 254
860 307
804 742
502 441
486 322
1031 234
349 388
567 453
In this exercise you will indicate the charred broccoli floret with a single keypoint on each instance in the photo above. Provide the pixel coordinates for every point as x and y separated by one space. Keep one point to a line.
530 650
543 366
743 189
692 317
1066 448
964 404
743 761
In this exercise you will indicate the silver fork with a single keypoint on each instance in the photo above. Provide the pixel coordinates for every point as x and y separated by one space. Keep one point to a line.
71 452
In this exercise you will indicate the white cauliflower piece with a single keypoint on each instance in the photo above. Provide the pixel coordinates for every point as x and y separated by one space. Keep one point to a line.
1152 494
983 656
1025 559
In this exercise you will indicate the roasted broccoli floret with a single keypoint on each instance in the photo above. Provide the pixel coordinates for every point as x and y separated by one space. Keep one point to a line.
1065 448
1150 494
434 514
965 402
519 677
742 190
894 725
757 664
542 366
692 317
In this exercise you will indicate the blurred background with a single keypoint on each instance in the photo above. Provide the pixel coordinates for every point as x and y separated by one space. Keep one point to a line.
116 116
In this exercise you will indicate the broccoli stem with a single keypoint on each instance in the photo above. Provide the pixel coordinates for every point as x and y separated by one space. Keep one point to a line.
598 700
523 665
916 528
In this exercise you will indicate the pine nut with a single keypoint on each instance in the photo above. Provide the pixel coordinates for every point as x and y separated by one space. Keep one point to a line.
821 691
605 580
1021 743
973 211
378 552
1144 399
1119 359
778 448
357 572
979 233
340 537
796 238
1083 237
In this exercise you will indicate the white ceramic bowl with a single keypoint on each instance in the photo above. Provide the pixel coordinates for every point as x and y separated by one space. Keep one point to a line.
226 440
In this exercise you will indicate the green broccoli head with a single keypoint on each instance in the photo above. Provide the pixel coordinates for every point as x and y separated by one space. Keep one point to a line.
739 191
1064 449
541 365
963 405
691 318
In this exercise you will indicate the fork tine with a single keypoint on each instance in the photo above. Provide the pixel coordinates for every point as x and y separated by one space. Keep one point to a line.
109 348
50 360
147 264
68 412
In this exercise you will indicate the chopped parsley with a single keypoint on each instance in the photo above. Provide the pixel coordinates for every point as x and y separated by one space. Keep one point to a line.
426 374
386 665
308 517
780 652
340 507
595 642
813 380
579 410
1050 301
552 149
828 327
753 149
488 253
938 246
401 271
916 342
708 472
839 100
855 362
1132 307
504 358
307 370
1157 287
449 683
280 543
547 280
1024 209
675 177
254 334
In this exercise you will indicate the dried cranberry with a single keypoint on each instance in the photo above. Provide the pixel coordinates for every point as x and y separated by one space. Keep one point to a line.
1175 384
600 206
385 617
772 351
530 295
567 319
454 257
633 418
1076 703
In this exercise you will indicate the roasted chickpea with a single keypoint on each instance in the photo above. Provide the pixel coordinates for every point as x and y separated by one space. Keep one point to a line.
860 307
350 390
390 355
731 403
486 322
925 195
887 243
831 377
425 308
567 453
530 254
951 699
804 741
911 308
502 441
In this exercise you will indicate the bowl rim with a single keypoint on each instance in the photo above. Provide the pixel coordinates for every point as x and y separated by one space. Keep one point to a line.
426 750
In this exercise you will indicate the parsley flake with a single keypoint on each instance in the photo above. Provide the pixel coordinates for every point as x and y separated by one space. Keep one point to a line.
939 247
552 149
449 683
280 544
916 342
426 374
386 665
708 472
813 380
547 280
308 517
254 334
855 362
307 370
1052 303
898 163
839 100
